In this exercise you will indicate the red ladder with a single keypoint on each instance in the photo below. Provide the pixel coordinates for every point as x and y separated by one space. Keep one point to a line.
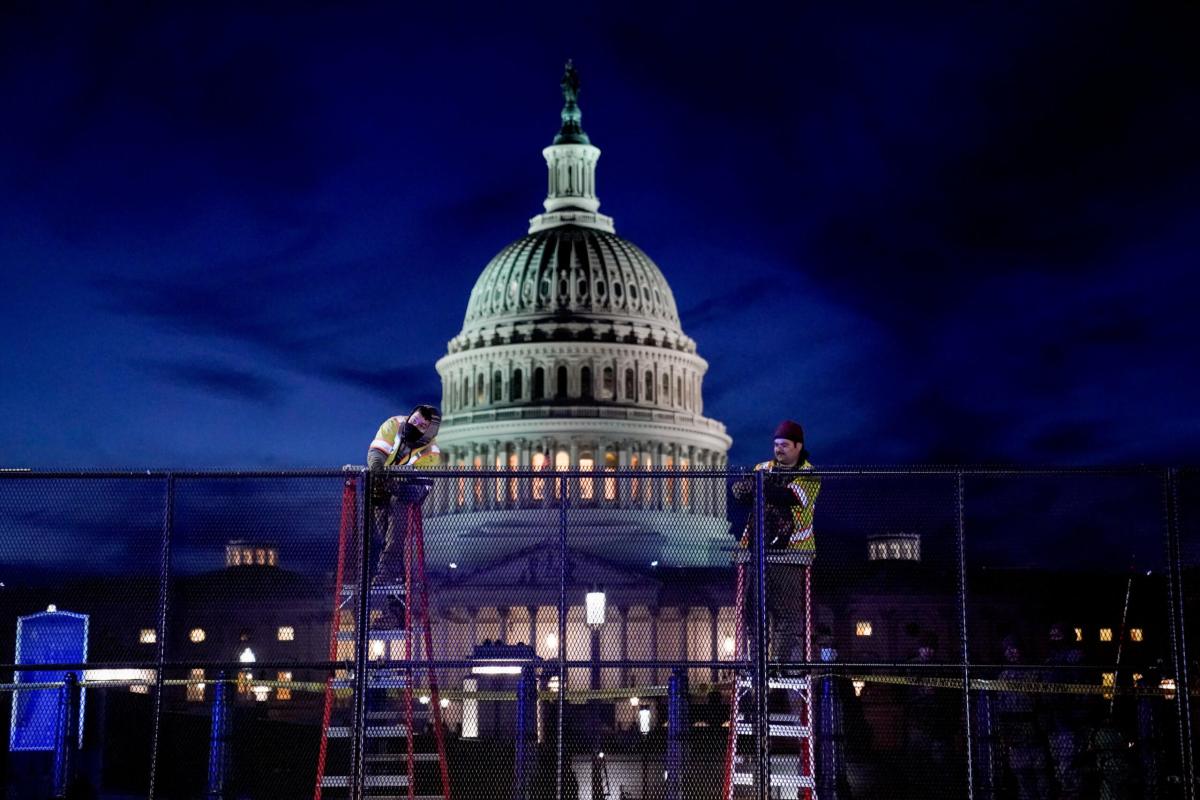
394 763
790 742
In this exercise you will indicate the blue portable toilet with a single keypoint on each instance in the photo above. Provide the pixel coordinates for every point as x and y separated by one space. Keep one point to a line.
50 637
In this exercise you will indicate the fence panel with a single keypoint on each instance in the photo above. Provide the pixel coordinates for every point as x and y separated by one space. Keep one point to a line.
85 548
1068 598
224 660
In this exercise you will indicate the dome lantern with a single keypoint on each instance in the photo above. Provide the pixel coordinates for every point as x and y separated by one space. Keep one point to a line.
571 165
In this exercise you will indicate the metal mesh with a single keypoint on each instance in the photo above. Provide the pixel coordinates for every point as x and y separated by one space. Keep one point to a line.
587 634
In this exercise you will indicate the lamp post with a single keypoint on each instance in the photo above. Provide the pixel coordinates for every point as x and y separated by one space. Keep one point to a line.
594 603
644 729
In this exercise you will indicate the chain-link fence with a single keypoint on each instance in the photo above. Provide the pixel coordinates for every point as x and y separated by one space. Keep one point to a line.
844 633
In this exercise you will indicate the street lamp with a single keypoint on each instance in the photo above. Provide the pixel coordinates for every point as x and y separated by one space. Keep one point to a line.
644 727
595 609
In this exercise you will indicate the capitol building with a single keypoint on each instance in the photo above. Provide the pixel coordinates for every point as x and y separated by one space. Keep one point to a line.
572 357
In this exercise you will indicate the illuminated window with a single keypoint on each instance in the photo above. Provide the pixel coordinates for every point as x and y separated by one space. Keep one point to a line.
1079 634
587 488
272 557
669 487
1106 634
610 484
513 488
283 692
286 633
1135 634
147 636
195 689
862 628
539 484
196 635
260 557
1108 679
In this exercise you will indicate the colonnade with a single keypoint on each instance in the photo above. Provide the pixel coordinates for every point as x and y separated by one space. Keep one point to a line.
617 484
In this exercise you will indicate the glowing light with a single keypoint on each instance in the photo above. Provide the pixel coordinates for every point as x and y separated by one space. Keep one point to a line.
51 608
147 636
444 702
197 635
729 645
858 687
862 628
286 633
644 720
595 608
495 669
247 656
423 699
551 641
633 701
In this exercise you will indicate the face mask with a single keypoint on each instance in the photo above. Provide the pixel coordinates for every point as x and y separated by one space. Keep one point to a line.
411 433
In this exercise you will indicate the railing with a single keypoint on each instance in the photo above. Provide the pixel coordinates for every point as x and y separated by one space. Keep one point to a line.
1026 636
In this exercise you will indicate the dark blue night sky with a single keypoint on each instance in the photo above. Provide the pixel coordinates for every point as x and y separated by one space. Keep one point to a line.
243 238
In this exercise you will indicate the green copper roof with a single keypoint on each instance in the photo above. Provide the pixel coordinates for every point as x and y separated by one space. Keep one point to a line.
571 131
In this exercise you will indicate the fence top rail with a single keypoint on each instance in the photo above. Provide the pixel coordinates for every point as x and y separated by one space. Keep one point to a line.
898 470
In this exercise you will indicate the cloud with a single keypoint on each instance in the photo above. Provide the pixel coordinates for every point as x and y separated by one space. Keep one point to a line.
414 381
215 378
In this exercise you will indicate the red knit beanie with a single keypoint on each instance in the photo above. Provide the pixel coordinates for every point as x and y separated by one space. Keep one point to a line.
790 430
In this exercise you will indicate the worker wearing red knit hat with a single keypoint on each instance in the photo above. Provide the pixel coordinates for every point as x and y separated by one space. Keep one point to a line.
789 494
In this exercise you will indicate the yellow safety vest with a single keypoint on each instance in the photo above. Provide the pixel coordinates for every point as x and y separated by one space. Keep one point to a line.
387 441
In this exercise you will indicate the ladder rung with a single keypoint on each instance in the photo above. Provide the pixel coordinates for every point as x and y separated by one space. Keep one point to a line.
391 634
391 758
343 781
801 781
376 731
797 684
382 589
782 731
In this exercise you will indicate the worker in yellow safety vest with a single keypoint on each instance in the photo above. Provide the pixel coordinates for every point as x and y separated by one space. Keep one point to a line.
789 494
402 441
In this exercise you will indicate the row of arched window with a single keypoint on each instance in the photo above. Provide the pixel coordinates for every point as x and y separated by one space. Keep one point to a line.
671 389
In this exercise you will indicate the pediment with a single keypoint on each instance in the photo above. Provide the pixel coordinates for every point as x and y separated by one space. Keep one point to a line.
538 567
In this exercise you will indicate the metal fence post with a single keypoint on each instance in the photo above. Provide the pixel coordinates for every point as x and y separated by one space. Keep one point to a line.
1178 631
829 738
66 744
960 535
164 576
677 726
526 732
762 723
218 741
362 640
562 631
